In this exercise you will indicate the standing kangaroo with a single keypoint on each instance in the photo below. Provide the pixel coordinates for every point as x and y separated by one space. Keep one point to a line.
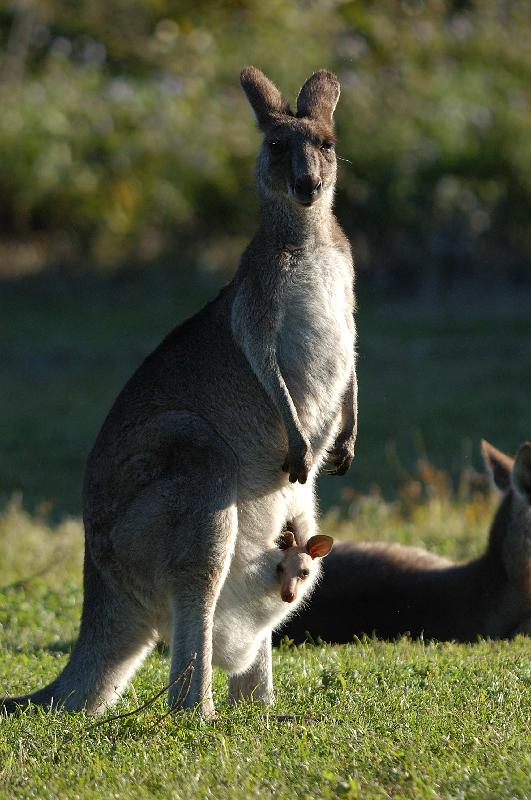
218 436
389 590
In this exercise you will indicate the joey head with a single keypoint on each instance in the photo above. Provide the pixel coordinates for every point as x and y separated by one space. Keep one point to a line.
299 568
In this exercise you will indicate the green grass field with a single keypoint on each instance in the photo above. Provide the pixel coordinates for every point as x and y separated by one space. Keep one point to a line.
371 720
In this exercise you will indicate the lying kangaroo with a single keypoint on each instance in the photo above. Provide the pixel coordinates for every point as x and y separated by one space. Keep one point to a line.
390 590
218 436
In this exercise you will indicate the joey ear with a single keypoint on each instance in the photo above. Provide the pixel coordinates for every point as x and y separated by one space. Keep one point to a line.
285 540
498 464
263 95
319 546
521 478
318 97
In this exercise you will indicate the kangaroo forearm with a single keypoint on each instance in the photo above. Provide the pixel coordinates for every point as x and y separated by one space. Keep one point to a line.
263 361
342 453
348 412
255 331
269 375
349 409
258 346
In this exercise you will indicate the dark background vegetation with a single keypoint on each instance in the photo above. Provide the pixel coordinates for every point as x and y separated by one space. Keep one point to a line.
126 196
123 130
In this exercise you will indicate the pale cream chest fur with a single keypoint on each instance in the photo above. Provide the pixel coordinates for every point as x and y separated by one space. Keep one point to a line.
316 336
249 607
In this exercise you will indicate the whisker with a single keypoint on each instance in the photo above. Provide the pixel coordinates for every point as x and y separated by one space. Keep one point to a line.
340 158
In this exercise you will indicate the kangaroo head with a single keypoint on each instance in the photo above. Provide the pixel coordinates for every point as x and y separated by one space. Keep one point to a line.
510 536
297 160
300 563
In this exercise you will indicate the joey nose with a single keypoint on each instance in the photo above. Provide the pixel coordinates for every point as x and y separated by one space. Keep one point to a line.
307 189
288 596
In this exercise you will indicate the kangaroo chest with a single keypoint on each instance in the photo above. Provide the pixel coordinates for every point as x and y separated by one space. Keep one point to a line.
315 339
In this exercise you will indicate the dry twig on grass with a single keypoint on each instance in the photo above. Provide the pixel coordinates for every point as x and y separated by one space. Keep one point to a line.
185 674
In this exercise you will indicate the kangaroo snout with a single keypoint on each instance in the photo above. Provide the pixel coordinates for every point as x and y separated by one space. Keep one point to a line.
307 189
288 595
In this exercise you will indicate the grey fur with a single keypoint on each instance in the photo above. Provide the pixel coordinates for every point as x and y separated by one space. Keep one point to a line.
185 482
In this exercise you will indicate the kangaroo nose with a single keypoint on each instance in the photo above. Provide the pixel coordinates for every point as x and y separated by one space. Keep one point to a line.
307 188
288 596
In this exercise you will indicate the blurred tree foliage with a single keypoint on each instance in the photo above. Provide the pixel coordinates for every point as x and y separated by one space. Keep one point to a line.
123 130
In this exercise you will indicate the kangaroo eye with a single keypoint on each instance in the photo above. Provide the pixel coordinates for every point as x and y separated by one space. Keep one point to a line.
326 147
277 147
304 573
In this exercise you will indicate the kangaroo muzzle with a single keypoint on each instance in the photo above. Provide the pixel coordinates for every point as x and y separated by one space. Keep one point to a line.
288 591
307 189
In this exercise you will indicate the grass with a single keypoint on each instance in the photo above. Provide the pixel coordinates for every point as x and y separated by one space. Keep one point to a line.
379 721
370 720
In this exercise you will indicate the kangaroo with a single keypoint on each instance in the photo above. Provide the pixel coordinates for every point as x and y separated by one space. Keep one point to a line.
218 436
390 590
262 595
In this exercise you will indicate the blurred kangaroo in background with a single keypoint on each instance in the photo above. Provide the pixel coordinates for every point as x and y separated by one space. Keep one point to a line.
218 436
390 590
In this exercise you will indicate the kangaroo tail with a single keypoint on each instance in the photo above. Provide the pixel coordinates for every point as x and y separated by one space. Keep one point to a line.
113 640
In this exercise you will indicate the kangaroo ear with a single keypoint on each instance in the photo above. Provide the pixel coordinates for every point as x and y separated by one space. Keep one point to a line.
318 97
264 97
498 464
285 540
319 546
522 471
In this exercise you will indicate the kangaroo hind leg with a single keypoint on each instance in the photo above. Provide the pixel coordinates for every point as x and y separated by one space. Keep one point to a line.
257 682
197 580
177 538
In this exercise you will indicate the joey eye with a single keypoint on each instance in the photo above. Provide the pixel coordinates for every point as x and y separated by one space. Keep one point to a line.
280 568
304 573
326 147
